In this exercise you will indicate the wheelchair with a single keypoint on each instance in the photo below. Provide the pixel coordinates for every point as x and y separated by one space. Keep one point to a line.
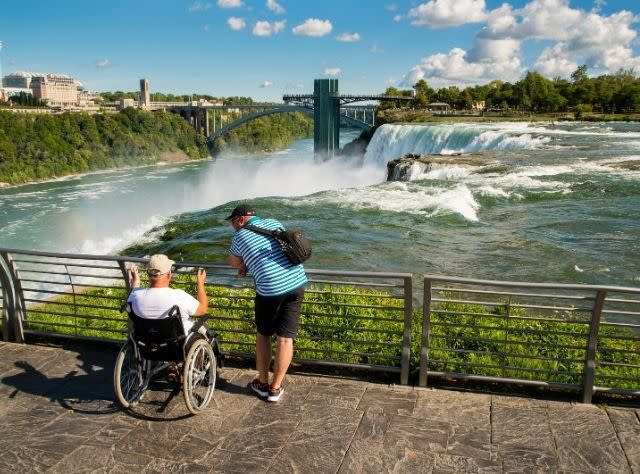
156 344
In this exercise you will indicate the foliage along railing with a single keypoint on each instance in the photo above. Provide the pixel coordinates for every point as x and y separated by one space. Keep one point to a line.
569 336
576 337
349 319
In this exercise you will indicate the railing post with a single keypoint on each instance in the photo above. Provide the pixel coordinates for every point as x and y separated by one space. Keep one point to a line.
426 328
8 300
592 346
406 337
19 309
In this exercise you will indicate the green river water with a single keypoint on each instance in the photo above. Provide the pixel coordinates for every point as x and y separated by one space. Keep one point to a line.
507 201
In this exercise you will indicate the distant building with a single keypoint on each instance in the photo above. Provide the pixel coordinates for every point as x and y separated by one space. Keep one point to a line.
479 105
86 99
145 99
20 79
124 103
439 106
54 89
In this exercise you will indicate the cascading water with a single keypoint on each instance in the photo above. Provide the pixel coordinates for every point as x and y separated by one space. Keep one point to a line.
395 141
500 201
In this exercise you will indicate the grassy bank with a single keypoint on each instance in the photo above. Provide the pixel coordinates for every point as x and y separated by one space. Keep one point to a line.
347 324
38 147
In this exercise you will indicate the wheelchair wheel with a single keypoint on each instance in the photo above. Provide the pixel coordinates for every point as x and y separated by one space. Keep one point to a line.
128 377
200 369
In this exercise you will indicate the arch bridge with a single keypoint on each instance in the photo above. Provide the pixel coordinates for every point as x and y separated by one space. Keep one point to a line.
330 109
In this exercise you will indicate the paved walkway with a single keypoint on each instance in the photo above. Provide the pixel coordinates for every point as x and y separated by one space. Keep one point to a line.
57 414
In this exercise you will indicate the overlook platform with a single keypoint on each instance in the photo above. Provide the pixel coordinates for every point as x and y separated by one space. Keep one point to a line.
58 414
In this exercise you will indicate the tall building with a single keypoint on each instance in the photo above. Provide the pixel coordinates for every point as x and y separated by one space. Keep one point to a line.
54 89
145 100
20 79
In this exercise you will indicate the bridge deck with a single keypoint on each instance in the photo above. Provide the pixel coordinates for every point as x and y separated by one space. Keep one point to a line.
58 415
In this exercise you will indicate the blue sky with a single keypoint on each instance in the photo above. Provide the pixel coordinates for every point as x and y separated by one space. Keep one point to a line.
264 48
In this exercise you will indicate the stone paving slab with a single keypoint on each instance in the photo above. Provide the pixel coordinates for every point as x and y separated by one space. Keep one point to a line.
58 414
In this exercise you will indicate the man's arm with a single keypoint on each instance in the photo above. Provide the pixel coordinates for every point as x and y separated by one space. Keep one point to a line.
201 277
237 262
135 276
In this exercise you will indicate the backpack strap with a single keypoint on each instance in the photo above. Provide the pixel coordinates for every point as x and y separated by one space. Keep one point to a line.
259 230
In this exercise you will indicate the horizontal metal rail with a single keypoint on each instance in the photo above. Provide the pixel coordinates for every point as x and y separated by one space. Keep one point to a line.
514 332
360 319
583 338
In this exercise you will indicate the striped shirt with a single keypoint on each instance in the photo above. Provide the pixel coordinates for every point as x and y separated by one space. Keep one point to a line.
273 272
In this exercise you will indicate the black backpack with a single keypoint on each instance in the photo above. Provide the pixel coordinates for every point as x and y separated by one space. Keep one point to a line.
292 242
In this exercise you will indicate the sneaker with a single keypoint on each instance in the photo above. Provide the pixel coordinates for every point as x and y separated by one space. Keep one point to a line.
260 388
274 395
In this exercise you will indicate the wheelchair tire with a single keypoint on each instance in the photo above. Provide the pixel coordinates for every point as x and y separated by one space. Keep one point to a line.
128 377
200 370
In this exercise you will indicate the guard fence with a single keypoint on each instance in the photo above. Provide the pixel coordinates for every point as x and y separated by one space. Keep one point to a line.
581 338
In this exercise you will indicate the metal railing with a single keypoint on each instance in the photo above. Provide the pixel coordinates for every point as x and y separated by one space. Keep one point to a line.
576 337
571 337
349 319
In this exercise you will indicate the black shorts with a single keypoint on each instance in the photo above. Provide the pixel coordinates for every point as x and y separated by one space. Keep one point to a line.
279 314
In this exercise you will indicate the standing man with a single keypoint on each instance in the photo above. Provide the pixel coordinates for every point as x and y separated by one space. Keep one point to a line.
279 294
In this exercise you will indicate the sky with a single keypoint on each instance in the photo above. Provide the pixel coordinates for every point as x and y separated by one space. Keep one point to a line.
266 48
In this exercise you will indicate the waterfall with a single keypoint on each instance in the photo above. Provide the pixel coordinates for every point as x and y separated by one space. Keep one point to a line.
391 142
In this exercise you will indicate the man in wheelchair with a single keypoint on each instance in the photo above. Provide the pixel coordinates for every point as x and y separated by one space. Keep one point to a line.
165 337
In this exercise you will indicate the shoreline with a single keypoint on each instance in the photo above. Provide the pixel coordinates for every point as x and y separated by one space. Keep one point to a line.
6 186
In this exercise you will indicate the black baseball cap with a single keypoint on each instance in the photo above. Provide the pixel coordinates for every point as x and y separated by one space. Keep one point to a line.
241 210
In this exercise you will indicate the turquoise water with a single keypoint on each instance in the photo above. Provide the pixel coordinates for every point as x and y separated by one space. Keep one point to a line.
510 201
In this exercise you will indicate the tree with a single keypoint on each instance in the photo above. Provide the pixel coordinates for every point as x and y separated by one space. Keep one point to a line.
423 93
579 74
448 95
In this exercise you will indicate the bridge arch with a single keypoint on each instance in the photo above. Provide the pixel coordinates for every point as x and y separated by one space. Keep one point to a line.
281 110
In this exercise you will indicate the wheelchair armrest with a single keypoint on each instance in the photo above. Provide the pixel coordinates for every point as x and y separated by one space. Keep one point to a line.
201 320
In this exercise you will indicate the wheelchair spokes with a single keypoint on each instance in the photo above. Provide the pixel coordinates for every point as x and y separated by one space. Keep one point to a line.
129 380
199 376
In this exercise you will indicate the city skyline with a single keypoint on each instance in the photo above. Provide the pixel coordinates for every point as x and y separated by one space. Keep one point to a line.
265 48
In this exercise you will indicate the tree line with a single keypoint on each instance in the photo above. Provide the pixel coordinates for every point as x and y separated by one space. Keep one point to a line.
117 96
41 146
608 93
269 133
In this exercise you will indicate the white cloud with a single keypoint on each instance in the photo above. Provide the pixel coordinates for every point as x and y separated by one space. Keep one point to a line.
598 4
348 37
197 6
375 49
275 7
313 27
236 23
554 62
445 13
266 84
398 18
455 68
206 28
582 37
230 3
105 63
265 28
576 36
391 81
332 71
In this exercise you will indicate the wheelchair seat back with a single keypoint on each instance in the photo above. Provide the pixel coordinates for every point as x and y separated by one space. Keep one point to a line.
159 339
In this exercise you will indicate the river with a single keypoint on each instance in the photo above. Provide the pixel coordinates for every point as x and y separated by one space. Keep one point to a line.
512 201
